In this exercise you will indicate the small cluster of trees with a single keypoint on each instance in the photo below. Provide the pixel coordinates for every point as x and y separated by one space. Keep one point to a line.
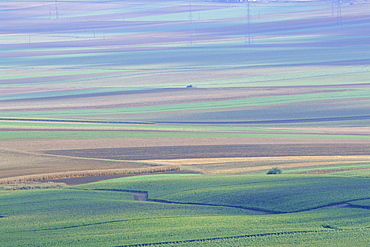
274 171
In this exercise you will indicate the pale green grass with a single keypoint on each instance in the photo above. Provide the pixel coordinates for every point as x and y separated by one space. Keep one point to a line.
75 135
329 167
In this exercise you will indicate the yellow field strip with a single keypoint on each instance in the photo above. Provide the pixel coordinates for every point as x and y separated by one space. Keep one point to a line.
291 162
267 167
255 159
73 174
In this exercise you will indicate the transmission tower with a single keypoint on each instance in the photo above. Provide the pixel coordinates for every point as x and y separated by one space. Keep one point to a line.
191 24
248 25
339 13
56 11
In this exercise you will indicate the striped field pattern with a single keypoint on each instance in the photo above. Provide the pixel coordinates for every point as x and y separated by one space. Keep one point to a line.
118 74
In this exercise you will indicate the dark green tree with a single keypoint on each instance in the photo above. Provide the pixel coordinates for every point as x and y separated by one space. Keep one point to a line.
274 171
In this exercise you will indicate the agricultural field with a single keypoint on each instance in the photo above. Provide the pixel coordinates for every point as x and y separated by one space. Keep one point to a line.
206 86
191 210
187 104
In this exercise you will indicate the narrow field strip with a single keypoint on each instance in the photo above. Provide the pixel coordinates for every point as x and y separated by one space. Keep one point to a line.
313 166
364 158
331 169
275 121
202 152
255 164
71 121
86 173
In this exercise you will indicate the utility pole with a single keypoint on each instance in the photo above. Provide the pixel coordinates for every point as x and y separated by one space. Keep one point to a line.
339 13
56 10
191 25
248 25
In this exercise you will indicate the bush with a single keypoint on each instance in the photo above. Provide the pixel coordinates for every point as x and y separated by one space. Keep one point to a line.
274 171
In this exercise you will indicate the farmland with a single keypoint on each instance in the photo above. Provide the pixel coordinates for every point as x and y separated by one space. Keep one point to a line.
297 193
111 78
190 103
105 214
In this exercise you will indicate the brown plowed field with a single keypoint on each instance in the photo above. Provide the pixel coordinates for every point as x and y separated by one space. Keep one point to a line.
19 163
217 151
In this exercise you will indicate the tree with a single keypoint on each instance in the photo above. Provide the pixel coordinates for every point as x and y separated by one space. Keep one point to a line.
274 171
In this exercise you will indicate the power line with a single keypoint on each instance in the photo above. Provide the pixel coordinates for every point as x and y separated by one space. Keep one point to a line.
248 25
339 13
191 25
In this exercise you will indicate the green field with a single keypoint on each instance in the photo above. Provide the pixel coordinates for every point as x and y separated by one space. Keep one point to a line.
279 194
96 215
221 91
